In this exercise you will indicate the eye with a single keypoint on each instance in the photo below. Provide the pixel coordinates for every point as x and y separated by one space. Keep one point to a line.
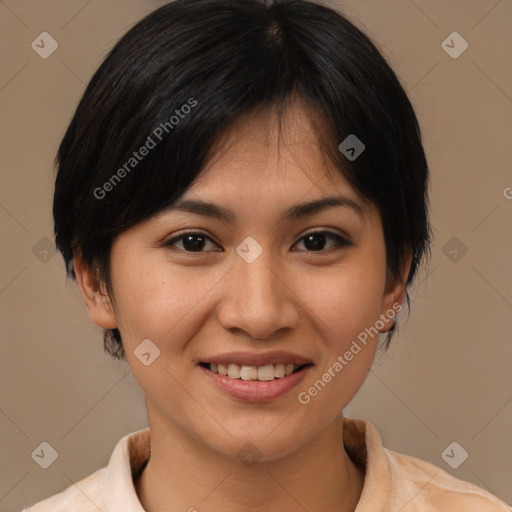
315 240
191 241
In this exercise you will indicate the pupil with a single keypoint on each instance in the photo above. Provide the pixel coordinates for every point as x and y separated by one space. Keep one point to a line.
188 242
315 246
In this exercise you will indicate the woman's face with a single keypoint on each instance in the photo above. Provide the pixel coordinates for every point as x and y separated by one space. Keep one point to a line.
254 286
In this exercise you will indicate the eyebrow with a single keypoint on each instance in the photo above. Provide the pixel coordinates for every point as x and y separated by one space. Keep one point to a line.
294 212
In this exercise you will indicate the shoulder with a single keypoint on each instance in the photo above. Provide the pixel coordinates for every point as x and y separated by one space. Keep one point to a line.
430 488
83 496
112 484
397 482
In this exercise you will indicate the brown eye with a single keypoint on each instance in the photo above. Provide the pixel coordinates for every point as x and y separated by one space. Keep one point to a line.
190 242
316 240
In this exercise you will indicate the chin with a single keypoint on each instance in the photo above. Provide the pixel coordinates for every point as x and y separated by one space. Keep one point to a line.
257 444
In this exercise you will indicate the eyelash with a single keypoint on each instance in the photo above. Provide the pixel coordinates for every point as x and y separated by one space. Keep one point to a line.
341 241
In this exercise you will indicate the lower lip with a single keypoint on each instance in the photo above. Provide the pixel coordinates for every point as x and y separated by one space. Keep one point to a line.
255 390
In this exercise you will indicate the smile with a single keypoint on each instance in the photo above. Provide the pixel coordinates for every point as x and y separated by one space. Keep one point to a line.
263 373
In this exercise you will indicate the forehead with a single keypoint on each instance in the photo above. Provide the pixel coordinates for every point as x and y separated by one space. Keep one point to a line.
261 152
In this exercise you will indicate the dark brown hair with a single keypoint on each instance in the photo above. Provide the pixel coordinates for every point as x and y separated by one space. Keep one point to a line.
186 72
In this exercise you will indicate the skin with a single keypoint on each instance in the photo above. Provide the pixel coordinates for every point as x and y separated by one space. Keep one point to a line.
193 305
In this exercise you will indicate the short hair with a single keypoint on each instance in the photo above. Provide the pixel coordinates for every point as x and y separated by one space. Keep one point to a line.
177 80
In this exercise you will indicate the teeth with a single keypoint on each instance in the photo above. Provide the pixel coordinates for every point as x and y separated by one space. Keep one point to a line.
265 372
234 371
279 370
247 372
262 373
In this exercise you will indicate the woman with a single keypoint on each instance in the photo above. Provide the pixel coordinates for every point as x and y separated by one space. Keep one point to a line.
242 199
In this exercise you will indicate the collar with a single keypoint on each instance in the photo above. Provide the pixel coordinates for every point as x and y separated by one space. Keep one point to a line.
360 438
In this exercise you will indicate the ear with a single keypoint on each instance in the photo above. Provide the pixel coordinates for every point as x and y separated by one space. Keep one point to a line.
394 294
95 296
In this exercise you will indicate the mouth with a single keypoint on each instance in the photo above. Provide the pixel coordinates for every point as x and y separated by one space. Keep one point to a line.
264 373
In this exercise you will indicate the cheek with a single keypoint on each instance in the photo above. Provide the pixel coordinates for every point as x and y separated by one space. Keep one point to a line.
145 305
346 303
157 301
347 347
346 300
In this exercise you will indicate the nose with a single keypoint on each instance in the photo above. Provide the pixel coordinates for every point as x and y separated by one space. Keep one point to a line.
258 299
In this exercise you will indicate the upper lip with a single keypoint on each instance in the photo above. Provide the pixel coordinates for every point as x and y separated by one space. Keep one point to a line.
251 359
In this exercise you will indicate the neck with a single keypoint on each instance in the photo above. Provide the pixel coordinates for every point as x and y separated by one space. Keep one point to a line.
184 475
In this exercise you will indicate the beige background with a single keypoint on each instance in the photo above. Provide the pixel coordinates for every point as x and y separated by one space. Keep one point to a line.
447 376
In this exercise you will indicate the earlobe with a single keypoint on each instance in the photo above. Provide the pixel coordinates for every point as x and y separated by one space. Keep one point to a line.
394 296
97 301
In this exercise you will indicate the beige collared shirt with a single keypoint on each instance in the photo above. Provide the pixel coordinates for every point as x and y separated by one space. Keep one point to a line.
393 482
